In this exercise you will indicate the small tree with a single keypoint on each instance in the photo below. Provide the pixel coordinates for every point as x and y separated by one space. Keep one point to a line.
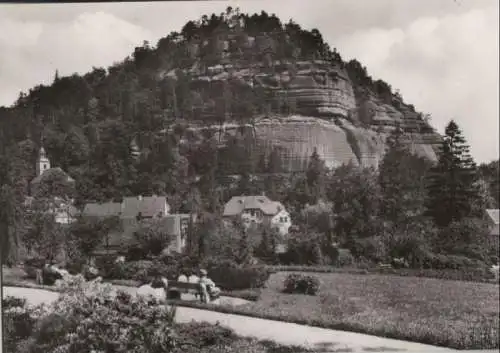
89 232
153 236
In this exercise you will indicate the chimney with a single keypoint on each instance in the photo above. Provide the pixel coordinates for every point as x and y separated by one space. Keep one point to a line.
139 197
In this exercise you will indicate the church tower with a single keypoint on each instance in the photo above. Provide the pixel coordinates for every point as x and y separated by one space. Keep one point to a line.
43 162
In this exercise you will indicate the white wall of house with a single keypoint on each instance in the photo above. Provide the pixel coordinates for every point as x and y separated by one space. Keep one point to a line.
494 230
63 217
166 209
282 222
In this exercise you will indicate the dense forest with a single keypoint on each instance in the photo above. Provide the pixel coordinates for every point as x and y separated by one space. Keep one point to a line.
121 131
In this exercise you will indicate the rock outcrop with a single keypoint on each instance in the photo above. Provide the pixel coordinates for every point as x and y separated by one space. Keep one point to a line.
346 123
337 142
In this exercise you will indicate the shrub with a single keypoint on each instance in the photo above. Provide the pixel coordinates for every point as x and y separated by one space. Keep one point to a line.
92 316
203 334
76 265
13 302
344 258
304 249
301 284
17 321
142 271
230 276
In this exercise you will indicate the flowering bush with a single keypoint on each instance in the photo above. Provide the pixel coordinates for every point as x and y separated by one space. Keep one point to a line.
301 284
18 322
91 316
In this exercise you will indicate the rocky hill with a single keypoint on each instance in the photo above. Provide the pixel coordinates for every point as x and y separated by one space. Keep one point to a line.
324 103
238 88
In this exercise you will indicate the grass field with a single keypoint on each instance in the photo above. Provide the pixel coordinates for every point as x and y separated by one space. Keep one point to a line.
462 315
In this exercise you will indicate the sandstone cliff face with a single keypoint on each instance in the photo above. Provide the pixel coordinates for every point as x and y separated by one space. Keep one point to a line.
336 142
346 124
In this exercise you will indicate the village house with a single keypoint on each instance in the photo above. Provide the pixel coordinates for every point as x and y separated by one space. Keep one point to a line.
493 221
254 210
134 211
63 209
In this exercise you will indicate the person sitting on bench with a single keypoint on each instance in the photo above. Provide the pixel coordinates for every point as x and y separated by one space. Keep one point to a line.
210 290
160 285
182 278
192 278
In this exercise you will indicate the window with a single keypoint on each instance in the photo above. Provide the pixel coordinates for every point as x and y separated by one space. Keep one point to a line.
45 166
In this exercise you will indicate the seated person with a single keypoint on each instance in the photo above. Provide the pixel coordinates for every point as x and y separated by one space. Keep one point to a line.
210 290
192 278
182 278
159 285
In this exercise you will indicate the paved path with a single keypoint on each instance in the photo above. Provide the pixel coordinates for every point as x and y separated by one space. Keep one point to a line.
281 332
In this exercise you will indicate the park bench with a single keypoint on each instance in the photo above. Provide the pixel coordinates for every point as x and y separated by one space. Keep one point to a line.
175 288
384 266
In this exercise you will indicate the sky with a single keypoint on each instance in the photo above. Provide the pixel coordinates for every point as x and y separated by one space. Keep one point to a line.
442 55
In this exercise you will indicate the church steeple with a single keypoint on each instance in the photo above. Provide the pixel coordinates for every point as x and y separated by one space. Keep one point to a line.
43 162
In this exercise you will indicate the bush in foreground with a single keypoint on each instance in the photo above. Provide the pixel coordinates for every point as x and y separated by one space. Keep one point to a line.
301 284
91 317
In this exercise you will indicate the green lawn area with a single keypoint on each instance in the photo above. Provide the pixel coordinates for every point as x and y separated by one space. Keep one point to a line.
439 312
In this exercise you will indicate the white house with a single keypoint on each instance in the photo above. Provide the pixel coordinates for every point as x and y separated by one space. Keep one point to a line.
254 210
494 221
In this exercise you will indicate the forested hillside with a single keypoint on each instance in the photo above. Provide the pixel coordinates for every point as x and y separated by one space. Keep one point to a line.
89 124
122 131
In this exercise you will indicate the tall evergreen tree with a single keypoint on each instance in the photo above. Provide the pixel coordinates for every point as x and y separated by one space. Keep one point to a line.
315 176
402 180
452 187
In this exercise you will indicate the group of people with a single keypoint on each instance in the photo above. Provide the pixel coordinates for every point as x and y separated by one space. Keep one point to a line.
159 286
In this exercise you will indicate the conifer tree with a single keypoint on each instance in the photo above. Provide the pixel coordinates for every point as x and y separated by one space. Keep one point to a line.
401 178
315 176
452 187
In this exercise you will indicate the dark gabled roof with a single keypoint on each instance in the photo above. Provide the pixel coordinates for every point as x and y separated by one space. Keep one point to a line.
106 209
148 206
131 207
494 214
238 204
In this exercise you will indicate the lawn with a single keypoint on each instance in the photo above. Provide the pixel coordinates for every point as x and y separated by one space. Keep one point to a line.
439 312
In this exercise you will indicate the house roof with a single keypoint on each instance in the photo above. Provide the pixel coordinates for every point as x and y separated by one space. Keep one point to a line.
106 209
49 172
238 204
148 206
494 214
